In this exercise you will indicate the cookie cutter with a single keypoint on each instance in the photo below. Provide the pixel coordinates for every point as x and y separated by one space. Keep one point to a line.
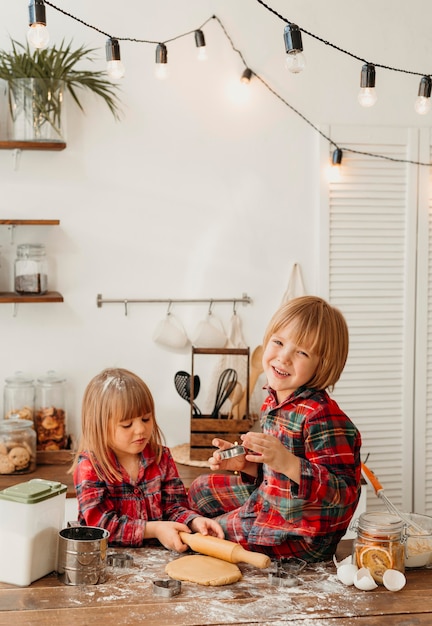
286 572
166 587
231 452
119 559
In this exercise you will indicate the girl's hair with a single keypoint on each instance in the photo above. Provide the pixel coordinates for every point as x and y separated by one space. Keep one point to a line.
115 395
322 329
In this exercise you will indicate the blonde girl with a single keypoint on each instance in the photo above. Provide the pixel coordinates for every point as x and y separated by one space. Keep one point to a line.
125 478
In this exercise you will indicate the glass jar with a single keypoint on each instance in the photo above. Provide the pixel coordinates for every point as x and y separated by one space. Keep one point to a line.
17 447
50 412
380 543
31 275
18 397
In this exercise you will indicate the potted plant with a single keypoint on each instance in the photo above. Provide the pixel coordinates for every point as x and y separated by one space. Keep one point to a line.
36 81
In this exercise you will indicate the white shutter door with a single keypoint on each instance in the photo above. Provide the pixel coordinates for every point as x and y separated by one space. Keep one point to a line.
423 378
371 217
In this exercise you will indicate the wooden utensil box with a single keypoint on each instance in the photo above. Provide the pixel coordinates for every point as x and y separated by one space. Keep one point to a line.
205 428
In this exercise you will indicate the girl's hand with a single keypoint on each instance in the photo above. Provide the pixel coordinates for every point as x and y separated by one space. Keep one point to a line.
270 450
168 534
236 464
207 526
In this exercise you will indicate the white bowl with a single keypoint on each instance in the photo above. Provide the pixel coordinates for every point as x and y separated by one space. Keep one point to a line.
418 549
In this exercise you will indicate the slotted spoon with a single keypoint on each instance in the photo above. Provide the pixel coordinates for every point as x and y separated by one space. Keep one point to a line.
183 382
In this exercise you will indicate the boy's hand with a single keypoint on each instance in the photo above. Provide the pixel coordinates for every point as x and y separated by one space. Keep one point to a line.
207 526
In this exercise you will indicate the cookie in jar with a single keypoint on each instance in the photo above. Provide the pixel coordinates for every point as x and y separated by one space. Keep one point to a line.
17 446
50 412
18 397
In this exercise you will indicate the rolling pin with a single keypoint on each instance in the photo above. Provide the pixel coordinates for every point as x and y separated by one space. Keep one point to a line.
223 549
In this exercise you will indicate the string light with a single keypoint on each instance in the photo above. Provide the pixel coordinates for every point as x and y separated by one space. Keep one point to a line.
295 60
115 67
258 77
422 104
337 157
37 34
201 45
246 76
161 70
367 95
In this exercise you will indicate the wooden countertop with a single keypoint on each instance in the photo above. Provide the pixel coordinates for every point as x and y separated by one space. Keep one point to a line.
127 598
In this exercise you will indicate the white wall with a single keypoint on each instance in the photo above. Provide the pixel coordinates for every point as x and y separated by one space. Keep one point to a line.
189 196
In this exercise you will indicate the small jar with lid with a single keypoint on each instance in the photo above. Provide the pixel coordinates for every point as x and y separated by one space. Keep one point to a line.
18 397
50 412
380 543
17 446
31 274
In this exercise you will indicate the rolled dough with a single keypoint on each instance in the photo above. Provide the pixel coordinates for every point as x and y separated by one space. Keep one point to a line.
204 570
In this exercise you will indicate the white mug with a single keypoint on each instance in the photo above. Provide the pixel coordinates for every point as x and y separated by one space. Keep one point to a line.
209 333
170 333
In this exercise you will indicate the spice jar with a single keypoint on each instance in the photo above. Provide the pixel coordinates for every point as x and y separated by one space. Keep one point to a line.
50 417
379 544
18 397
31 276
17 446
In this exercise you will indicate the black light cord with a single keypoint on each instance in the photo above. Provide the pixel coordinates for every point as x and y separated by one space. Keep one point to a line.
303 117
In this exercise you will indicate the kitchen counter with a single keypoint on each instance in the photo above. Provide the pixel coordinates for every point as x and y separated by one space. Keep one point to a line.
127 598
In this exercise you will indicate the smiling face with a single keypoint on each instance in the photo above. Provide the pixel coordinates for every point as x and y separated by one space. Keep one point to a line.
129 437
287 364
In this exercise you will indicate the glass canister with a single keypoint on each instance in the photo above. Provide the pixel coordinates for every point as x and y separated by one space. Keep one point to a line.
50 412
31 274
17 446
380 543
18 397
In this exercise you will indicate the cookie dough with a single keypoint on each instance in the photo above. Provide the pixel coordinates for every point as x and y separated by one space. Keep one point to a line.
204 570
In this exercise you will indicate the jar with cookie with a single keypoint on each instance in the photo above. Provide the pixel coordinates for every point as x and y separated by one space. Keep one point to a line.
18 397
17 446
50 412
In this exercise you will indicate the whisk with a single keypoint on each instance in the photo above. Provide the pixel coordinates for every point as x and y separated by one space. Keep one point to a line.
373 481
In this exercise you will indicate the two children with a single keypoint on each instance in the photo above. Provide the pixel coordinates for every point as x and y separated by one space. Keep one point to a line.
294 491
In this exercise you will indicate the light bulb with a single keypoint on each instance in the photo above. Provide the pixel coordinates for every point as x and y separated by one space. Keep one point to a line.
367 96
202 53
295 62
422 105
38 36
161 71
115 69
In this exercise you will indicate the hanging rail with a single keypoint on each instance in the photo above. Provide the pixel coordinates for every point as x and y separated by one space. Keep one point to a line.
245 299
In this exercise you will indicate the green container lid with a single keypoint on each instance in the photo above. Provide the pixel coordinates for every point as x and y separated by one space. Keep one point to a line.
33 491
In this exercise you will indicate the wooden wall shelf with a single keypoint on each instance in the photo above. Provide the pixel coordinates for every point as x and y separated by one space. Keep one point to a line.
11 296
30 222
32 145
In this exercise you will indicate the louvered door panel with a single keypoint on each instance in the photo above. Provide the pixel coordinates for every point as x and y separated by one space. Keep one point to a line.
369 262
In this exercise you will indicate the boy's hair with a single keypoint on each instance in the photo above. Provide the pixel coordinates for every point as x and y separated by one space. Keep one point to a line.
115 395
322 329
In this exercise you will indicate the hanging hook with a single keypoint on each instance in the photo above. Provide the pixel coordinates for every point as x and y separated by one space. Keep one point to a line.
210 307
126 307
234 307
169 307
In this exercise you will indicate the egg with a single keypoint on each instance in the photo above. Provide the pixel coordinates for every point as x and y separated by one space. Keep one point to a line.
363 580
393 580
346 573
344 561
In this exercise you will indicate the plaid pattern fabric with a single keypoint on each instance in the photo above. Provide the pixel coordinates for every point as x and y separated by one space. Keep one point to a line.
123 508
275 515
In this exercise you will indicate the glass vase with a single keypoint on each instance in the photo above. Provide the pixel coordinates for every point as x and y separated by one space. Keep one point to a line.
36 110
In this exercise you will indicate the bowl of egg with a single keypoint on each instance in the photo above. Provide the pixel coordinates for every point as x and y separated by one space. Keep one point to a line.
418 547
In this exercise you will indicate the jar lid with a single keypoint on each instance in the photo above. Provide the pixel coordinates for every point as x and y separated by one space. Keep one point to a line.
25 250
50 378
378 522
19 379
13 423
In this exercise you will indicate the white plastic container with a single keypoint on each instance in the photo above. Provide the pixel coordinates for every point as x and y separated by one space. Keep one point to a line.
31 516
